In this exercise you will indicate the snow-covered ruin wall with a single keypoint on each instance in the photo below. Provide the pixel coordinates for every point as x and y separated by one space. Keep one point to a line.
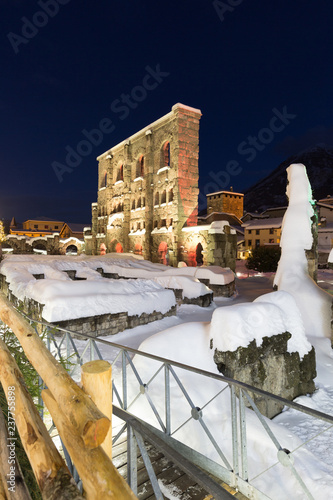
107 294
263 344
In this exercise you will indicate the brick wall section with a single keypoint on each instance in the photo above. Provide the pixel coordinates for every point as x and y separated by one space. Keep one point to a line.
226 201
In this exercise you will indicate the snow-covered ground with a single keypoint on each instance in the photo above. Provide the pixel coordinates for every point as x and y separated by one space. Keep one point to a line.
185 338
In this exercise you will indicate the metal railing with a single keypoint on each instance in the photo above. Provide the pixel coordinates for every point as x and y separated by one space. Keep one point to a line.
227 458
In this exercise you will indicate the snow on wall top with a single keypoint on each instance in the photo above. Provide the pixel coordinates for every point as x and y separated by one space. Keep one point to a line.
66 299
270 314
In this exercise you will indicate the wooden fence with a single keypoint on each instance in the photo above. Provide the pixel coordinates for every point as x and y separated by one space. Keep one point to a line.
81 415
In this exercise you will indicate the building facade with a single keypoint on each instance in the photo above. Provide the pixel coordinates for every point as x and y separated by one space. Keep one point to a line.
147 201
226 201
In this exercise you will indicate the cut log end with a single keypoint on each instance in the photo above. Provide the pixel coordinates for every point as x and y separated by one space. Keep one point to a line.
94 432
96 366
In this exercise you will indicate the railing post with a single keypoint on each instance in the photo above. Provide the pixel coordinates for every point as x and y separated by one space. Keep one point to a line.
132 460
124 378
242 423
234 431
167 400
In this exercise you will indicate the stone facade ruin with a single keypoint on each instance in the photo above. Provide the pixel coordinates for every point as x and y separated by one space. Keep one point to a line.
148 197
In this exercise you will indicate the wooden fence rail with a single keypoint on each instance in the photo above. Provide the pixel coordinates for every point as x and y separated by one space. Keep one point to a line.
81 424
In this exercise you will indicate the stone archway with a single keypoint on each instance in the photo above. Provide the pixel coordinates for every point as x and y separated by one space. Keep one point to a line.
39 247
119 248
163 253
199 254
138 249
71 250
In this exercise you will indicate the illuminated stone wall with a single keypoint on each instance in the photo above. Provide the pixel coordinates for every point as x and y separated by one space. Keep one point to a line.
148 188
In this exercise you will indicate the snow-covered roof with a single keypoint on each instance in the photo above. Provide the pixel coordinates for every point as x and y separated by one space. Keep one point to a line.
274 222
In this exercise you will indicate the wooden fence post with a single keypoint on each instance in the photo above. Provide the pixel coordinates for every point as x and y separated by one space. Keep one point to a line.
78 407
100 478
96 378
51 472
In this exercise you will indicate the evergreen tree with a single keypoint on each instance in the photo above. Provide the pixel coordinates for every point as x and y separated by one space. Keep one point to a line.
264 259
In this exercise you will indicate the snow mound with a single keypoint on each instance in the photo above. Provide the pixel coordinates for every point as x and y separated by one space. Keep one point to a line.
271 314
292 273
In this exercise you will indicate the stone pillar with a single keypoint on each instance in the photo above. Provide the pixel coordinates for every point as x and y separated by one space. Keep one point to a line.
148 189
127 167
94 228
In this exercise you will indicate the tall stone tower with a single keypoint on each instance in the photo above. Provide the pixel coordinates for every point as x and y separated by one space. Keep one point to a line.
148 188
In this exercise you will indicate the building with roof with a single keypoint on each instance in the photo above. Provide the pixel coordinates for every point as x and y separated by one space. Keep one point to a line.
226 201
44 235
262 232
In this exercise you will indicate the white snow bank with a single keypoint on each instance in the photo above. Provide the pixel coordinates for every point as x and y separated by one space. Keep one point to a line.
189 344
270 314
79 299
292 273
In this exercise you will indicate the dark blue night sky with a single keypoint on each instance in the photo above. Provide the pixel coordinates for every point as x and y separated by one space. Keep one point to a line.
261 73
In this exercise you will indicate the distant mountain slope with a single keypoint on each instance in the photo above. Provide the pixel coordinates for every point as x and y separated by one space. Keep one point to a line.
270 192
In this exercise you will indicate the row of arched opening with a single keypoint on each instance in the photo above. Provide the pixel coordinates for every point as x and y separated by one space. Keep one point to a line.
139 170
163 197
194 254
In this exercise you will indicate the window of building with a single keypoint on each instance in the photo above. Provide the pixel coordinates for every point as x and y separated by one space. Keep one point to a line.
140 167
46 226
163 197
157 199
36 226
250 231
163 222
155 224
133 205
271 240
170 195
104 180
249 243
139 203
257 243
143 201
166 154
257 231
120 173
271 231
56 227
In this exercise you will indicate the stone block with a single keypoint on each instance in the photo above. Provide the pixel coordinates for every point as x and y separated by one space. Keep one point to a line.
272 368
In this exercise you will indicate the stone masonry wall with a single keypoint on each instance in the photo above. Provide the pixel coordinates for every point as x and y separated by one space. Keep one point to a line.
272 368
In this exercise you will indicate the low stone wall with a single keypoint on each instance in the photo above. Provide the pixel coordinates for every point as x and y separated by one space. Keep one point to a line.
220 290
202 300
104 324
271 368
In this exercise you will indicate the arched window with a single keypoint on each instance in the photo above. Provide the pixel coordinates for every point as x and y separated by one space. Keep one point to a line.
163 197
133 205
170 195
157 199
143 201
140 167
120 173
199 255
166 154
139 203
104 180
